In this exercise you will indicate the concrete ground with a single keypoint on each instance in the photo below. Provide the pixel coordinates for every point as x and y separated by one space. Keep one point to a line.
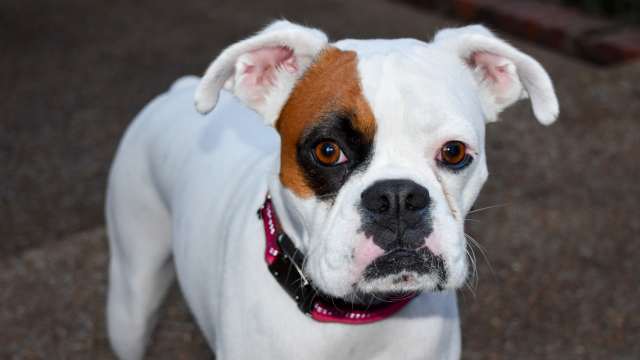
561 240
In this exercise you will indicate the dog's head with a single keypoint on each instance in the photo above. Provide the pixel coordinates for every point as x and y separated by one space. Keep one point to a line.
382 144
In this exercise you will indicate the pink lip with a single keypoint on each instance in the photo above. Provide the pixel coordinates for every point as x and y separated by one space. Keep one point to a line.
367 251
433 243
364 254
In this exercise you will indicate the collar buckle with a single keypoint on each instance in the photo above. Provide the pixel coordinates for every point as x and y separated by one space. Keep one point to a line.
290 276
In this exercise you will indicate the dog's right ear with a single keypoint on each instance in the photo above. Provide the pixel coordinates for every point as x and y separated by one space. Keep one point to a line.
261 70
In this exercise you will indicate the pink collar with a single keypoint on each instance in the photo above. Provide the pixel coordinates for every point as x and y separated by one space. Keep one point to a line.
285 264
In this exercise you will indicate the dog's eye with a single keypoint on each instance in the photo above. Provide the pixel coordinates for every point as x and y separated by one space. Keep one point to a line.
454 155
328 153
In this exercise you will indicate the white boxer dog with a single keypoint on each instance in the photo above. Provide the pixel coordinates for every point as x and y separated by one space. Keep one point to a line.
340 235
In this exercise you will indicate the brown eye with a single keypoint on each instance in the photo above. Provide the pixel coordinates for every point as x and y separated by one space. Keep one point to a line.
329 153
454 154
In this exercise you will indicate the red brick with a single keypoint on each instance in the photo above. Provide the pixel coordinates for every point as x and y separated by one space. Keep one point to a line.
552 25
614 47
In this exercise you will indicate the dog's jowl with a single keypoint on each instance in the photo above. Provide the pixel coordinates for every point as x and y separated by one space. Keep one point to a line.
360 157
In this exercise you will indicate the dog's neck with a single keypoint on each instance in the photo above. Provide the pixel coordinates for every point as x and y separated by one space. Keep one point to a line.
291 223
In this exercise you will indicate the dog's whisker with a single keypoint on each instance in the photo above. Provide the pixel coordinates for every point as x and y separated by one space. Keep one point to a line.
473 211
468 285
472 282
474 242
470 288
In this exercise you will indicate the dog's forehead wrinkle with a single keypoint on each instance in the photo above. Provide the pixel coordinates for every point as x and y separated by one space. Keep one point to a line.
447 196
411 83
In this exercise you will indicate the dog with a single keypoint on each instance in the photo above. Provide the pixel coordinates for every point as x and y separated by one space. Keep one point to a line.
336 231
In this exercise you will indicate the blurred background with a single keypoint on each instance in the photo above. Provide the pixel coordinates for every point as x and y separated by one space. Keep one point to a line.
558 220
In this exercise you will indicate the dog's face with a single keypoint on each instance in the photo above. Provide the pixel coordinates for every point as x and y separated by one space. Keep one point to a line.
382 147
383 156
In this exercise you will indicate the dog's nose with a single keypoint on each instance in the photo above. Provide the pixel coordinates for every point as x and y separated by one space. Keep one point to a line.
396 214
395 197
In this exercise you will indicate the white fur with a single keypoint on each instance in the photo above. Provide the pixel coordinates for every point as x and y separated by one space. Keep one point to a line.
187 187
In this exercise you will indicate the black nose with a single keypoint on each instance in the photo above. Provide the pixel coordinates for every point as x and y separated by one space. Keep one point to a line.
395 197
395 213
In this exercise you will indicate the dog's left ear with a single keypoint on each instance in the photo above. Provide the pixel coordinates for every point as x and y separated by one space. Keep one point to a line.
261 70
504 74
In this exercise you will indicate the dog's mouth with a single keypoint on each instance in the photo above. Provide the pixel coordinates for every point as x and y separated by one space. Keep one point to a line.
402 271
421 261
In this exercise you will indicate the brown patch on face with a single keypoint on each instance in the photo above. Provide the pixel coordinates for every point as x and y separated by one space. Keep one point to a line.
331 84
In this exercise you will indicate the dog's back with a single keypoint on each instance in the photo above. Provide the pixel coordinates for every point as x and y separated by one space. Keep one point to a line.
170 149
170 133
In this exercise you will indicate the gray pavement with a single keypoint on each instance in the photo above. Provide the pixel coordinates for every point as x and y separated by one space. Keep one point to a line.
562 240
